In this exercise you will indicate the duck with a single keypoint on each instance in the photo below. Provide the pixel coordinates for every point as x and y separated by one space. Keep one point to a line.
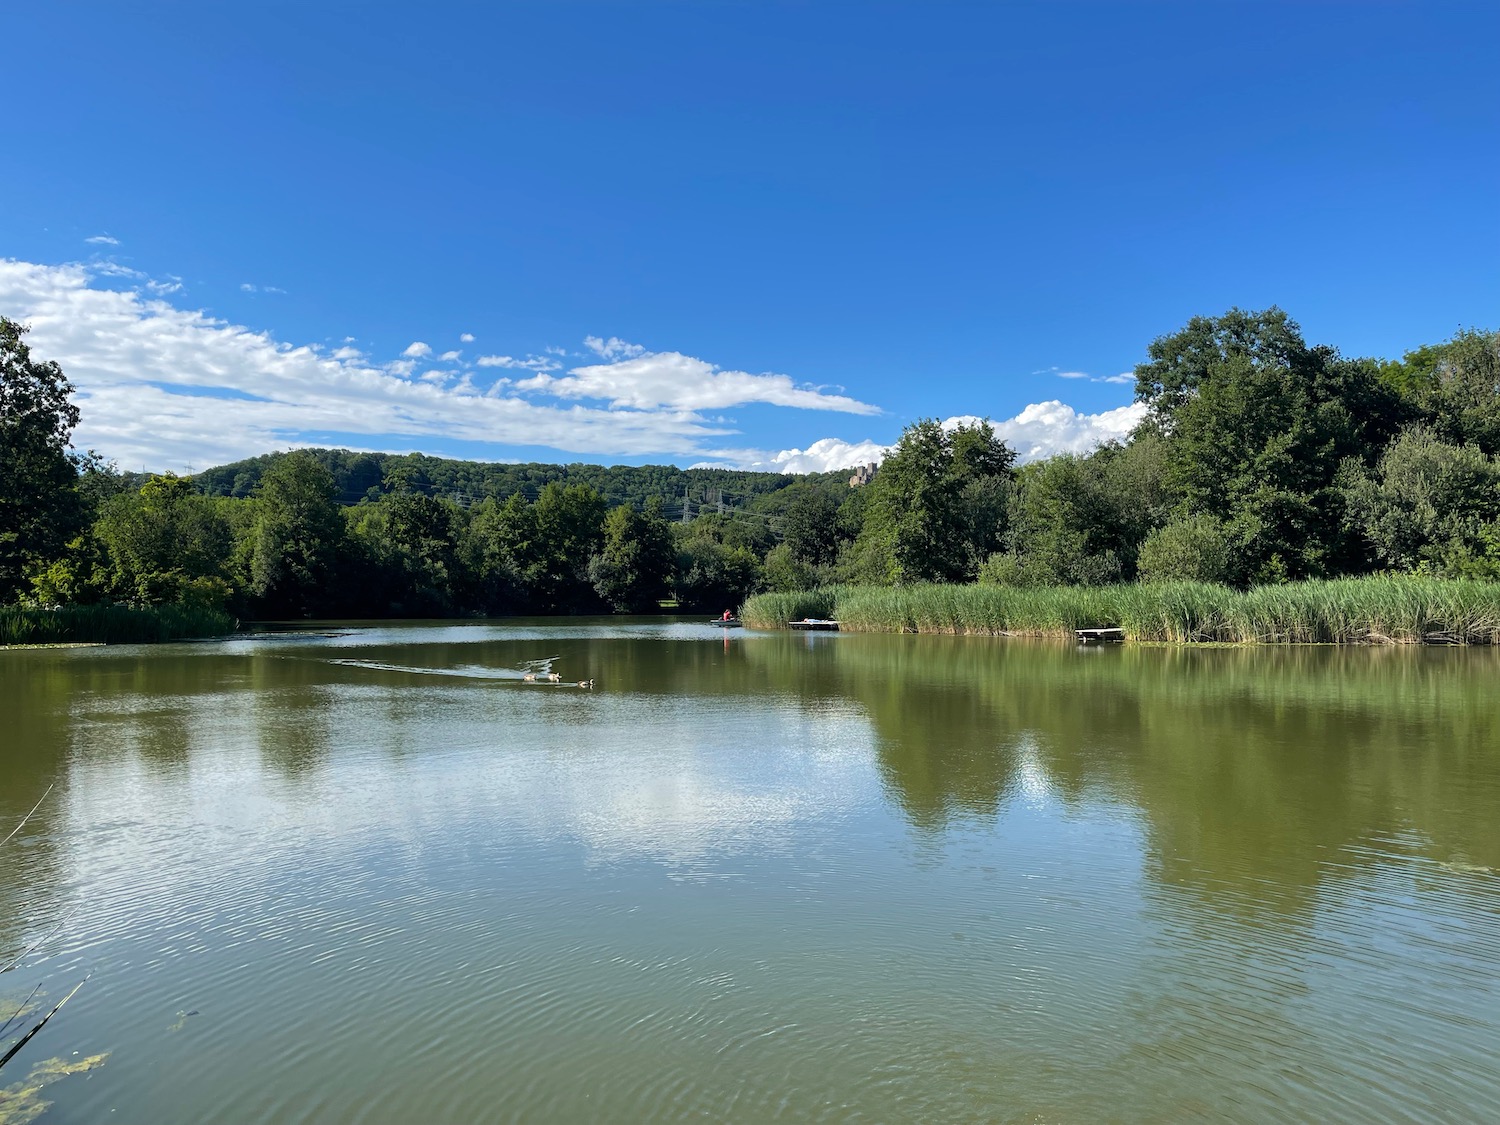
553 678
529 678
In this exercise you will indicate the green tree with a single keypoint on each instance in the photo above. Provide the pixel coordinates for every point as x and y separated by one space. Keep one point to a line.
504 553
810 529
165 543
931 512
40 509
1455 387
299 536
1255 424
1190 549
569 532
783 572
633 570
713 577
1428 504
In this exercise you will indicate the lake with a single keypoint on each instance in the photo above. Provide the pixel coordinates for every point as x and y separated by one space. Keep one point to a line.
369 875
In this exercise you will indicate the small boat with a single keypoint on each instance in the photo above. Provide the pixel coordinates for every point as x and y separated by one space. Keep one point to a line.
1099 636
815 624
727 622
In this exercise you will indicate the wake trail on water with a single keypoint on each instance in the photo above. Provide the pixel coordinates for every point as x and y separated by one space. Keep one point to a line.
471 672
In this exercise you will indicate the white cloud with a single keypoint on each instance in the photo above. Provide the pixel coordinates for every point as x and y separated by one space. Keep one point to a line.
530 363
822 456
1123 377
247 287
613 348
449 357
466 337
1043 429
162 387
650 380
103 240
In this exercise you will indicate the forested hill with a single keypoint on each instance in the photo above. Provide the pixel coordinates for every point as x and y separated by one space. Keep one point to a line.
360 476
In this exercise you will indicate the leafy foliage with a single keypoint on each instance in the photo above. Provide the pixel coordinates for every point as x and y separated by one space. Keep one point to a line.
40 507
1262 460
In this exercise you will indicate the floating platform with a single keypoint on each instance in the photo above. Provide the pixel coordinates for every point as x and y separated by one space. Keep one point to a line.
1099 636
815 624
731 623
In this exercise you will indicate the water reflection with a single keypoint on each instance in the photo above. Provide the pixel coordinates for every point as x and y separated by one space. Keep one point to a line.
842 878
1260 772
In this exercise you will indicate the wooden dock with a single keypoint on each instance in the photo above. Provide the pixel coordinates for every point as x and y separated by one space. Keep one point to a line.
1099 636
815 624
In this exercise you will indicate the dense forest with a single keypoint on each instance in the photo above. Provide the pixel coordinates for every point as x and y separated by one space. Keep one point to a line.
1262 459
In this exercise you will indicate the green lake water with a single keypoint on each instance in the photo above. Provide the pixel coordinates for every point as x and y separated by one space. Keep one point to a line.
374 877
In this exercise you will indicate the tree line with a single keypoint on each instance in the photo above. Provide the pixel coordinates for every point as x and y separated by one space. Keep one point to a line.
1261 459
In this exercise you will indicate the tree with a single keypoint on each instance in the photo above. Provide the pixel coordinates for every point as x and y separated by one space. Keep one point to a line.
503 551
299 536
633 570
810 529
1191 549
569 532
40 510
1456 388
1428 504
1254 425
713 577
928 504
165 543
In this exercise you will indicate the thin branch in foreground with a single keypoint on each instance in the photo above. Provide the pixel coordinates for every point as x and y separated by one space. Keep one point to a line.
25 1039
27 817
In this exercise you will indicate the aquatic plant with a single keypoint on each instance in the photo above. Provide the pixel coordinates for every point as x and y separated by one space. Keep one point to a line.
109 624
1378 609
774 610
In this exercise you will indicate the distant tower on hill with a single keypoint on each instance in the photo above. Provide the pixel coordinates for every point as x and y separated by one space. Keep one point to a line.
863 474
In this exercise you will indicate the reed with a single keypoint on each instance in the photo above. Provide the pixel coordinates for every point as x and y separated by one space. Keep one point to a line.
1379 609
109 624
775 610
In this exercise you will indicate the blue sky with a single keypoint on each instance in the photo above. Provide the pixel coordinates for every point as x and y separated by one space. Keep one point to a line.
896 210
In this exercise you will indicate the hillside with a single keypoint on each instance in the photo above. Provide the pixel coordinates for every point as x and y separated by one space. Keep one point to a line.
360 476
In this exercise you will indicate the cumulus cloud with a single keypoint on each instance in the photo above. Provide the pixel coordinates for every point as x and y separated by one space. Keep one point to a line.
466 337
449 357
645 380
821 456
163 387
613 348
1042 429
103 240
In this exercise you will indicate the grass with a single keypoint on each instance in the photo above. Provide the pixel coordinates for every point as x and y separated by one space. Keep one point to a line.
773 611
109 624
1371 610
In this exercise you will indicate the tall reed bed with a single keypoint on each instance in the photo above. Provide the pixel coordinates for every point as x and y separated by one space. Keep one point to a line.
775 610
109 624
1371 610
